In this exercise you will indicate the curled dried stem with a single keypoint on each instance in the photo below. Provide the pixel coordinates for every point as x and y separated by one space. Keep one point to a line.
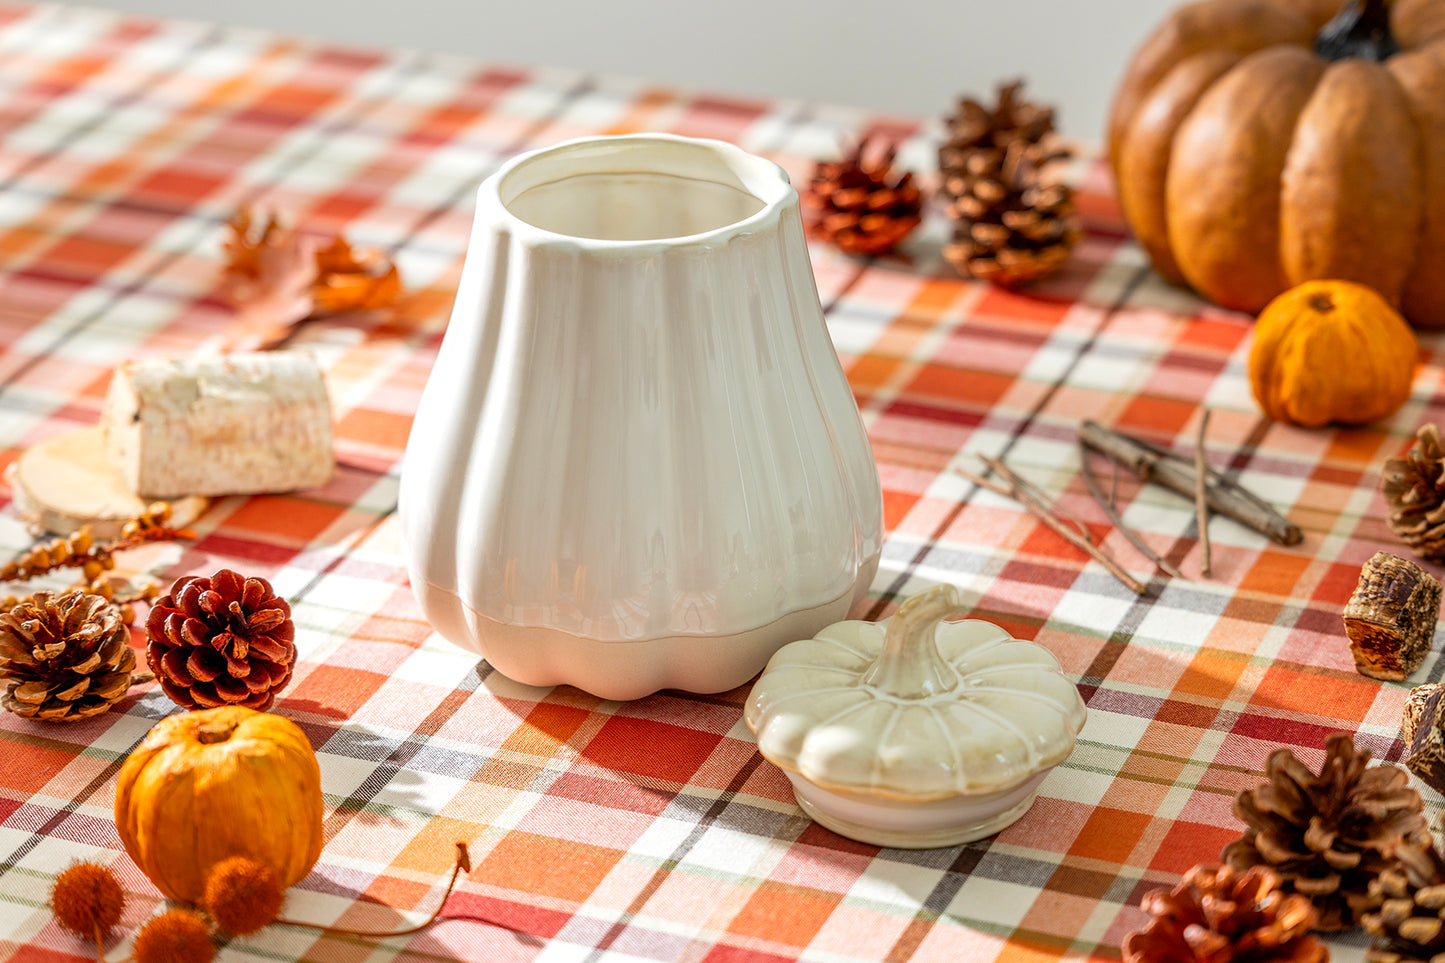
463 864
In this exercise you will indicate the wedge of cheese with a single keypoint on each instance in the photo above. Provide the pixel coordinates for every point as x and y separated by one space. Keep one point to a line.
223 425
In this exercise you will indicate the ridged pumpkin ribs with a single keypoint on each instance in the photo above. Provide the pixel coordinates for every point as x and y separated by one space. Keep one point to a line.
1261 143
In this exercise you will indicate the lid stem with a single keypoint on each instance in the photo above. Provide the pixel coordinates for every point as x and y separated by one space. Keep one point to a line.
909 667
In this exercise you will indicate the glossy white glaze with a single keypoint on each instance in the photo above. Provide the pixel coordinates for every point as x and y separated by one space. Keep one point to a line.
914 731
637 429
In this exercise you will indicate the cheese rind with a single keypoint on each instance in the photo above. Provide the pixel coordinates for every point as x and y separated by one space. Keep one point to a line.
231 424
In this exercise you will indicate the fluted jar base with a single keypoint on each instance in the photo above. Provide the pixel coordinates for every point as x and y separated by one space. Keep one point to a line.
542 656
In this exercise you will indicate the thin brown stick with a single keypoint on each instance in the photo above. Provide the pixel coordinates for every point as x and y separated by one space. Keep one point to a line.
1225 497
1056 508
99 944
1043 513
464 862
988 483
1007 492
1107 505
1201 489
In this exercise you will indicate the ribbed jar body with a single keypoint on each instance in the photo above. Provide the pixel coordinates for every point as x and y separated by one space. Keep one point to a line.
637 463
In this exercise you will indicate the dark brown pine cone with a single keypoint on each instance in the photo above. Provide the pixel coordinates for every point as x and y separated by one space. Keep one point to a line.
974 129
1414 487
223 640
1328 835
1013 221
1218 916
860 203
1410 923
63 657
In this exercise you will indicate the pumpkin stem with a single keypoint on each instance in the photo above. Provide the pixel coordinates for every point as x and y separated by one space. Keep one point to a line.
213 734
909 667
1360 29
464 862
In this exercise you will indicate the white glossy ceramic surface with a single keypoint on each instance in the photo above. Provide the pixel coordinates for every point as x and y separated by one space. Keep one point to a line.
914 731
637 463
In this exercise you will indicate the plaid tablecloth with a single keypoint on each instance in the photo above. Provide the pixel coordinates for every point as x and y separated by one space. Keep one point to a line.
652 830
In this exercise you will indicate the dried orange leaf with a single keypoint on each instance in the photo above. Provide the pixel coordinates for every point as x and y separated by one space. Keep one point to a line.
273 292
276 277
356 292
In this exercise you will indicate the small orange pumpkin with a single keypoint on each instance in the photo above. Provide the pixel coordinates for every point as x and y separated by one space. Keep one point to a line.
1331 351
205 786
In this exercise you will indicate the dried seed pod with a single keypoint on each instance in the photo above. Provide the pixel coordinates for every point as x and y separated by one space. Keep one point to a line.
87 900
1390 619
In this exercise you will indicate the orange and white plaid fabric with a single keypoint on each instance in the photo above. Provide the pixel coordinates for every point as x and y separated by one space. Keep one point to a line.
652 830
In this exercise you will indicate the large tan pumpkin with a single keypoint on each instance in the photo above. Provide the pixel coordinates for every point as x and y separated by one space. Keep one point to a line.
1253 153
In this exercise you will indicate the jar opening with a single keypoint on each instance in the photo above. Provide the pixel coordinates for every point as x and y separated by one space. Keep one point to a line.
638 188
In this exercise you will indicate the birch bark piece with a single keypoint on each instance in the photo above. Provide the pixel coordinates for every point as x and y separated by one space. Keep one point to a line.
1391 617
232 424
1415 705
1425 753
69 481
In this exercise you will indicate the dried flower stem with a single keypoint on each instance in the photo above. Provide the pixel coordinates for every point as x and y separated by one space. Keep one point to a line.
93 560
1107 505
1201 492
1016 488
463 863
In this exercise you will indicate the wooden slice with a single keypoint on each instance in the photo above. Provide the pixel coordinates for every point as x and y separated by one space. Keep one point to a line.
68 481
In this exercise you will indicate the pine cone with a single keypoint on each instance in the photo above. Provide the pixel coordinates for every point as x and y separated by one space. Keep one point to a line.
1012 224
1414 487
63 657
975 128
1328 835
1410 923
1216 915
223 640
861 205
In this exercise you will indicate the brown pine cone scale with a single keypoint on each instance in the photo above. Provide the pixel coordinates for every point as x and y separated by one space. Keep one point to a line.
63 657
223 640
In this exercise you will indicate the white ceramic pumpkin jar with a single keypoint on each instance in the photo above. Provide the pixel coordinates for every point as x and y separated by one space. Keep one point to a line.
637 463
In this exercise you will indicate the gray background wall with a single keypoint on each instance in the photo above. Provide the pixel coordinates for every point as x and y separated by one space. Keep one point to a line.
904 56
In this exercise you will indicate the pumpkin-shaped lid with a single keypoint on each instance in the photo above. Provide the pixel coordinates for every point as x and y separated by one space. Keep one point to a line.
914 708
